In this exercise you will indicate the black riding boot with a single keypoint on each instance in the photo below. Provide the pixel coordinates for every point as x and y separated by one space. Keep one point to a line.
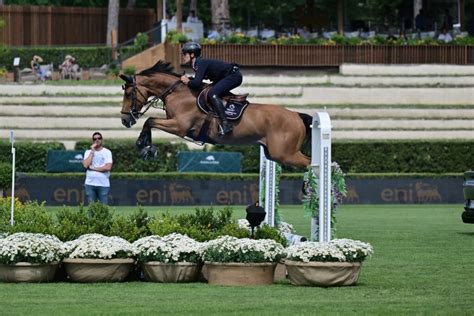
219 107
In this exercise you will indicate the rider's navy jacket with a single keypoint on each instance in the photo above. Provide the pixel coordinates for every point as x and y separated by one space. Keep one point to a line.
211 69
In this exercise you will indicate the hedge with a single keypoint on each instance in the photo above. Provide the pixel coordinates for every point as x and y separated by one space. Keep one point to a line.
446 156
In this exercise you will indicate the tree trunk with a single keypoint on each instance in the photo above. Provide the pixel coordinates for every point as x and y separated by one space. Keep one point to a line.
192 6
131 4
220 15
179 16
112 20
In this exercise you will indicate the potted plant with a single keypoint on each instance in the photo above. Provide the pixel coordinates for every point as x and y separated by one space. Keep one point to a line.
172 258
337 262
233 261
28 257
98 258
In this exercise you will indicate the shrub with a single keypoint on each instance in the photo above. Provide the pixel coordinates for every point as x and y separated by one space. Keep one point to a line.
129 71
71 224
132 227
5 175
32 217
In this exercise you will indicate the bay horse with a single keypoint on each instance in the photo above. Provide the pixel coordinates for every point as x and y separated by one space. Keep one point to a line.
282 132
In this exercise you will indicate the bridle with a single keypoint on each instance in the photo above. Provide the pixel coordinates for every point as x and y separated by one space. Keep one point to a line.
146 104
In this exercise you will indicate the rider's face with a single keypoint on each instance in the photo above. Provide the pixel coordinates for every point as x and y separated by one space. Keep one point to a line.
186 58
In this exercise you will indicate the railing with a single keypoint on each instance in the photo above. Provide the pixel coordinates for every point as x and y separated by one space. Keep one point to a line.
319 55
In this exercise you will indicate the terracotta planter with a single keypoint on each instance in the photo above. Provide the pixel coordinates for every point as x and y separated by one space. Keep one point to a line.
240 273
179 272
28 272
323 273
98 270
280 272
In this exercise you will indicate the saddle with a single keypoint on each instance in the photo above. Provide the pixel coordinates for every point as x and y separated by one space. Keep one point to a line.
235 104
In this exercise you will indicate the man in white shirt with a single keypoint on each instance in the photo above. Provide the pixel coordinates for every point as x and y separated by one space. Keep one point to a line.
98 162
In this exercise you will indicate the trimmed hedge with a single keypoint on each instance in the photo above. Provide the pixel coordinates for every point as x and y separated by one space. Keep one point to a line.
354 157
126 159
30 157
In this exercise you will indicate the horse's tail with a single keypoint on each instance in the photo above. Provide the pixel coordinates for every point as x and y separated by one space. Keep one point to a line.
307 121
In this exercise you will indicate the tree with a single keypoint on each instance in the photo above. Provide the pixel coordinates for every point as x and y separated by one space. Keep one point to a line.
113 21
220 15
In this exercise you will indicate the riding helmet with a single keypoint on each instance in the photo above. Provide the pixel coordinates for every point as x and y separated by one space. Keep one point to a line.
192 47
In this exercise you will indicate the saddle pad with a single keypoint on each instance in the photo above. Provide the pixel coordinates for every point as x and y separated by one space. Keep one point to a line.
233 109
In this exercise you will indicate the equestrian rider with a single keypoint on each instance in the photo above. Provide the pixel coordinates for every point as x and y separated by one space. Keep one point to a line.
224 77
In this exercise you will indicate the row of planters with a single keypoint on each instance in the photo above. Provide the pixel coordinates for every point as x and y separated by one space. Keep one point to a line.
226 260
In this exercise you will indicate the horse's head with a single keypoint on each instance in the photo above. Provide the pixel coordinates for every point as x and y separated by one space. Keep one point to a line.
134 98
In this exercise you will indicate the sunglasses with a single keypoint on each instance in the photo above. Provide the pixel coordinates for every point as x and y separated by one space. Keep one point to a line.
97 138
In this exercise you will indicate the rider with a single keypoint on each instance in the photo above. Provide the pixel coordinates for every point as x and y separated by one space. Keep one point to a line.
224 77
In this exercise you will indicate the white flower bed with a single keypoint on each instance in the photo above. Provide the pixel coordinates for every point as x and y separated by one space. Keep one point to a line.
32 248
169 249
96 246
245 250
337 250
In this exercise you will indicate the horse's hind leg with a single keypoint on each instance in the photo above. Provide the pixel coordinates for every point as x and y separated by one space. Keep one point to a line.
297 159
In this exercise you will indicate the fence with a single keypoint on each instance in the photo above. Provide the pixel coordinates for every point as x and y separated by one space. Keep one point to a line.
320 55
39 25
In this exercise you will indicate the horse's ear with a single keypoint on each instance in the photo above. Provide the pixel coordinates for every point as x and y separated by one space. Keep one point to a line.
126 78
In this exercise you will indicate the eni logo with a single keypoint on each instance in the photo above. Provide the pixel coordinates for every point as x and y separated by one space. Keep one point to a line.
426 192
352 196
180 194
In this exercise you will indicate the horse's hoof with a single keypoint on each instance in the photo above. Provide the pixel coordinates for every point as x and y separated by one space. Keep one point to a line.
149 152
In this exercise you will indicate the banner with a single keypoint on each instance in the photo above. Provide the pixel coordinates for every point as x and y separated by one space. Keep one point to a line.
67 191
65 161
192 161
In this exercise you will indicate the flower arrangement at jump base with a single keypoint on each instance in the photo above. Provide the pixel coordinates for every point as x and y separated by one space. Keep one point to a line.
233 261
337 262
311 194
172 258
98 258
28 257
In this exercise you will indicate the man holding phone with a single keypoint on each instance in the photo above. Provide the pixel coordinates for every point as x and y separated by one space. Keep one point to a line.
98 162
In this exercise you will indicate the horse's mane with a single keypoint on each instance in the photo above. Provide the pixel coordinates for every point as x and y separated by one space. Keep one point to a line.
160 66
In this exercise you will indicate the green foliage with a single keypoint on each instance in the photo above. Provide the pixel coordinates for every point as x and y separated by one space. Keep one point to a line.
32 217
100 218
132 227
267 232
129 70
71 224
5 175
176 38
203 225
30 157
141 41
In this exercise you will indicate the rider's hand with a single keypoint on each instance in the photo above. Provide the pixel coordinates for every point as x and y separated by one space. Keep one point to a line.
184 79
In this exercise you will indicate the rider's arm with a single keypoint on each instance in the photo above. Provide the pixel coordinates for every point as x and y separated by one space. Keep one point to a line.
196 82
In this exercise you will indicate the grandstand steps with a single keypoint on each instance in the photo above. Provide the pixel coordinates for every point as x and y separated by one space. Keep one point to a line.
369 102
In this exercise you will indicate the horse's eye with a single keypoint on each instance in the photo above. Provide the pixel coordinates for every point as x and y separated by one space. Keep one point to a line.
123 87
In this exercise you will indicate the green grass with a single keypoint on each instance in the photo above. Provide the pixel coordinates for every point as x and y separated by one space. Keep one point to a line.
422 264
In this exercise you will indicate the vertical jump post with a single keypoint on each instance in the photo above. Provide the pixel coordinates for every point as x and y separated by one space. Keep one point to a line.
321 164
267 183
12 211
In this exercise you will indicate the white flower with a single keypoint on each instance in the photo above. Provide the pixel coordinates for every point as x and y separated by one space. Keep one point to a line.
170 248
96 246
29 247
342 250
232 249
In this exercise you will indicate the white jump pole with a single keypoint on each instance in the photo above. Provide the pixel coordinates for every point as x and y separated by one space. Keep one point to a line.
321 164
12 214
267 180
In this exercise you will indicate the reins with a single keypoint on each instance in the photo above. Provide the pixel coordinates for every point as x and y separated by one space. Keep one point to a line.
153 102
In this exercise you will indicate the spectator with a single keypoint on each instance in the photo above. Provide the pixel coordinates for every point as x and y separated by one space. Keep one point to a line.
304 33
420 21
66 67
192 18
98 162
36 67
447 21
444 36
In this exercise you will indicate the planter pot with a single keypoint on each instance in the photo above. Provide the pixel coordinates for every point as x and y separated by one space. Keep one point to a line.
28 272
240 273
179 272
98 270
323 273
280 272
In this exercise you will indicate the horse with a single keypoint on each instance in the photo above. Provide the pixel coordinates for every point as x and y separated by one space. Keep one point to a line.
282 132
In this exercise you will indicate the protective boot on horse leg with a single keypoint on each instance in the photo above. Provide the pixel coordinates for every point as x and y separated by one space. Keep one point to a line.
226 126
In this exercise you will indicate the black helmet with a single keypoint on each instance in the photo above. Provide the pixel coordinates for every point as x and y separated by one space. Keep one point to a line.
192 47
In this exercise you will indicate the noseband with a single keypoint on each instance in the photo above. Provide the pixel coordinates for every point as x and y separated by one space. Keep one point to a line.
146 104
